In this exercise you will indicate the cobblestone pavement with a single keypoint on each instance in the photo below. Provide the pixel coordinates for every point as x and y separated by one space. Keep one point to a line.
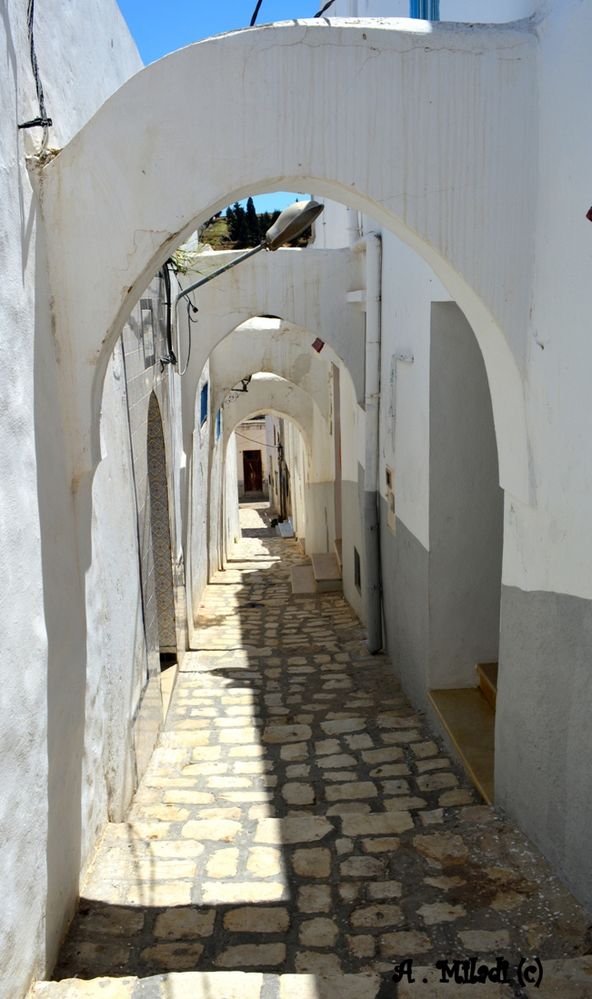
299 817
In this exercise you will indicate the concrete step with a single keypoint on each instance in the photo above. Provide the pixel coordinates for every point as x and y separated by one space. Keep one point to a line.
213 985
303 582
469 722
327 572
487 673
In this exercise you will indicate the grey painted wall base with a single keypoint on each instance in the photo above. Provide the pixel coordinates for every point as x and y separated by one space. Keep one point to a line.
543 730
405 568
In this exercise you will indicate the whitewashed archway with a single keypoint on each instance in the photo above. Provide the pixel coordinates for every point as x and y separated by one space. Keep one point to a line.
450 113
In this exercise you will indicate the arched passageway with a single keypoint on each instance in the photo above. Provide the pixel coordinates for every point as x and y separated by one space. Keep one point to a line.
460 229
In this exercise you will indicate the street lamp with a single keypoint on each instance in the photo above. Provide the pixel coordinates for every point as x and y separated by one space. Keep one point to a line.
289 224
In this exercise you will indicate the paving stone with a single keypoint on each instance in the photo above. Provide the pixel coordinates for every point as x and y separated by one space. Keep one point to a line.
440 912
252 956
314 898
298 794
322 965
326 747
286 733
377 890
221 830
362 867
423 749
341 760
264 861
386 844
312 862
223 863
319 932
343 725
404 943
349 808
376 825
361 945
403 804
376 916
305 829
179 955
295 751
434 782
359 789
174 924
363 741
274 919
433 817
444 849
382 755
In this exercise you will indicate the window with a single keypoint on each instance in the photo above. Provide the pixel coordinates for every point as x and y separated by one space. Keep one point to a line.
218 423
147 323
357 571
203 405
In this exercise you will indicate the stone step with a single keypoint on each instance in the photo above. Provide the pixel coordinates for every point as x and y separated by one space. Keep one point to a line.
213 985
303 582
487 673
327 572
468 721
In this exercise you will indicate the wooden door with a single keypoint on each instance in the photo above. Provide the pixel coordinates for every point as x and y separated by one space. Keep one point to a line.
253 471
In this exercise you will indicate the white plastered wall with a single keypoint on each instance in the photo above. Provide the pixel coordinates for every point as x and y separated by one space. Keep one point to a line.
84 52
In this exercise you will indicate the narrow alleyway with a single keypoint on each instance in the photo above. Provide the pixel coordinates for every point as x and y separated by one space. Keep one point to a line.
298 817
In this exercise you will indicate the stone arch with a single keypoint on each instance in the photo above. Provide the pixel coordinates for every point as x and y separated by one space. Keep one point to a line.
271 395
460 195
269 284
272 347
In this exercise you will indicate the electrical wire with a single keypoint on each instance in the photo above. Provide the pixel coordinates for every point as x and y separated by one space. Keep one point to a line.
259 443
323 9
190 322
255 13
42 121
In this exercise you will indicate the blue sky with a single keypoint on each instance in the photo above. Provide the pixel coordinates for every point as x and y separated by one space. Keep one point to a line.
161 27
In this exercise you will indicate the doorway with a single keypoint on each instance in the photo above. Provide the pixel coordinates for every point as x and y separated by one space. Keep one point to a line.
252 471
466 542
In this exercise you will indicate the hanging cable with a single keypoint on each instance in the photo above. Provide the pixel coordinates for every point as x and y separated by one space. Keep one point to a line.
42 121
255 12
190 322
169 358
259 443
323 9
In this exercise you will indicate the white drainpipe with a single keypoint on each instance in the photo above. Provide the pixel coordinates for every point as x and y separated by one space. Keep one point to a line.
372 403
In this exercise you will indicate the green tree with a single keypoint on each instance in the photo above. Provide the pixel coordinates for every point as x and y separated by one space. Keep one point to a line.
252 222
